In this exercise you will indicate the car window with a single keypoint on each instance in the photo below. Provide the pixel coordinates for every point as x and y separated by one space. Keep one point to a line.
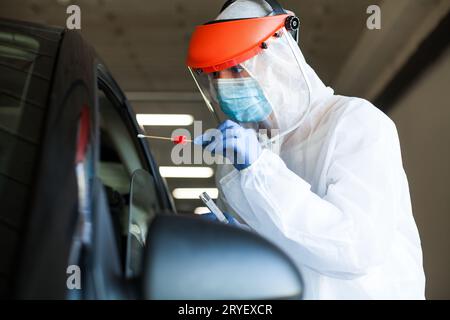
26 66
119 159
143 208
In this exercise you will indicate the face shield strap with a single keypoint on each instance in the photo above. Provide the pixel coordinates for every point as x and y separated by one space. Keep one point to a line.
292 25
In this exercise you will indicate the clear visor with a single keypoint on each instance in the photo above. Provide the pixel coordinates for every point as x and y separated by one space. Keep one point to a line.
267 92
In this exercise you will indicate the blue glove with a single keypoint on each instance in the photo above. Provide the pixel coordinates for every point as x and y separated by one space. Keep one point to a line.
212 217
238 144
231 220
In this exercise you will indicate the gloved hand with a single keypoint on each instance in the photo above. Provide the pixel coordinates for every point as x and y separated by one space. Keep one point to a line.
212 217
231 220
238 144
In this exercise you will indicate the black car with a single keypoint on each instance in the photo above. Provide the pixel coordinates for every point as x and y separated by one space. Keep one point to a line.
84 212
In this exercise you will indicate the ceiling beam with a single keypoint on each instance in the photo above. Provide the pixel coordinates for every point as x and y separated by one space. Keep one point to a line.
379 54
425 56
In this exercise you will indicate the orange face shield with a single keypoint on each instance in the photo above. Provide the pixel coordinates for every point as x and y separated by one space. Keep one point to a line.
218 45
250 70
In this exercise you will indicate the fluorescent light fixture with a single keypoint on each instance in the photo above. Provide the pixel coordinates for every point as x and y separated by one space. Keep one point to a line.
154 119
186 172
193 193
201 210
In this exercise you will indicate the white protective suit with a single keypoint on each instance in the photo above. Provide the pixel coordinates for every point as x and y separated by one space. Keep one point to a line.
335 198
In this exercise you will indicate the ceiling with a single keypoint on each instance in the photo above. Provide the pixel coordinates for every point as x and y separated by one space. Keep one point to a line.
144 45
144 42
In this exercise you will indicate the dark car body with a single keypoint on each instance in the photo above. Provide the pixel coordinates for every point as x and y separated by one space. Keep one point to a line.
56 129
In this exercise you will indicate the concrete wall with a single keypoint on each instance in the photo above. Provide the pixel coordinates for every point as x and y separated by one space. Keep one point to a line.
423 121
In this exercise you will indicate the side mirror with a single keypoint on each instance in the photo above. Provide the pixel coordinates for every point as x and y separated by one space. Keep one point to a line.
189 258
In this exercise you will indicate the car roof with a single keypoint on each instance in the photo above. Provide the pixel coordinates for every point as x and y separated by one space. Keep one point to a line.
31 26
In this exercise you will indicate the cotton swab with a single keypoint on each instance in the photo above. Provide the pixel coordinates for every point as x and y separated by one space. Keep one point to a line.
175 140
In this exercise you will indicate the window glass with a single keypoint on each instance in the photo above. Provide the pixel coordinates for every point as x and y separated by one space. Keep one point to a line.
144 206
26 66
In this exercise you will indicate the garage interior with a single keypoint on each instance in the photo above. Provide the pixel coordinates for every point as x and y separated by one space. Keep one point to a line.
404 68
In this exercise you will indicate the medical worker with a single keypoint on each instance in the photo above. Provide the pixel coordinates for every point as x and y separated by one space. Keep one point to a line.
318 174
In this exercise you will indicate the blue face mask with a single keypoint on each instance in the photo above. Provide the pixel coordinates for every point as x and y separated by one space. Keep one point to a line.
242 99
